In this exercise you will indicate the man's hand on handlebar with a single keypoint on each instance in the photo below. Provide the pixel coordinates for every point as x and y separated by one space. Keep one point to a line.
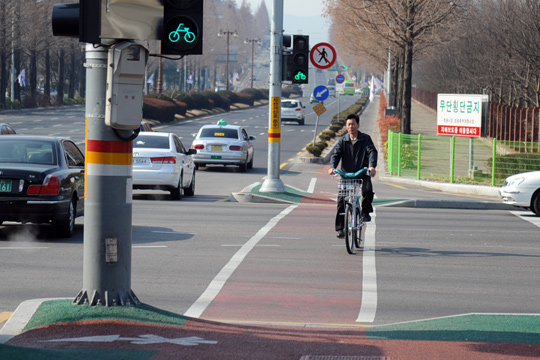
371 171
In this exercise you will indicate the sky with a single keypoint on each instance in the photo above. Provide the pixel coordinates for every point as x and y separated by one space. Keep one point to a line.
300 17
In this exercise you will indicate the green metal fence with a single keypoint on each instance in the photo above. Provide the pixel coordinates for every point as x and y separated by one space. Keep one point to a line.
455 159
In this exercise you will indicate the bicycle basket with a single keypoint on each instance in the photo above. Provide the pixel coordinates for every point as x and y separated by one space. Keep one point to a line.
349 187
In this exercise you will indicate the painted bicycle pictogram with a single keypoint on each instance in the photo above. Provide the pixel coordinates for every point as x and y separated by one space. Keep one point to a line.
189 36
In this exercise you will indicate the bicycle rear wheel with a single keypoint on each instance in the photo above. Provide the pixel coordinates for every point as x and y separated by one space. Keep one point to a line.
350 233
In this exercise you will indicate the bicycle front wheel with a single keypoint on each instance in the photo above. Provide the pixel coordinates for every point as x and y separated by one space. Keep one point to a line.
350 232
358 231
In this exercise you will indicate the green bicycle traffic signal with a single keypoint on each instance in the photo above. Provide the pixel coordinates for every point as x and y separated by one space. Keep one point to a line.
182 27
300 76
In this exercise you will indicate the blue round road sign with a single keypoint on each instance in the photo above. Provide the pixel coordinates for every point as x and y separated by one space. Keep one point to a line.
340 79
320 93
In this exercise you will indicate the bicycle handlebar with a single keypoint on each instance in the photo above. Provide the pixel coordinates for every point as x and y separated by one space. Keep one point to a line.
354 175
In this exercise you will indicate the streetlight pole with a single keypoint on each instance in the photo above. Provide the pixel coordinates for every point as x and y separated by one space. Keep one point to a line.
253 42
220 34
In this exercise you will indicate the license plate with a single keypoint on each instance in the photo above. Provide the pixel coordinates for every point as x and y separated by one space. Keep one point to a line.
217 148
140 161
215 157
5 185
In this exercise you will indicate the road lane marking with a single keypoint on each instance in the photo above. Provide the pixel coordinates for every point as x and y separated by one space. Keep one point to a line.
23 247
530 217
221 278
368 307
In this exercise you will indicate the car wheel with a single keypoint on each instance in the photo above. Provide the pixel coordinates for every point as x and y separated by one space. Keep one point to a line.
66 227
535 203
176 193
301 121
190 191
250 163
243 167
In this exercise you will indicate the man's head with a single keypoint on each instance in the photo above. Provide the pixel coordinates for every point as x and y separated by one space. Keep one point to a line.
352 122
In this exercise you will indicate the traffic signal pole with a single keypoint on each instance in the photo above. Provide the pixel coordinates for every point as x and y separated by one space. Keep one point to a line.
273 183
108 197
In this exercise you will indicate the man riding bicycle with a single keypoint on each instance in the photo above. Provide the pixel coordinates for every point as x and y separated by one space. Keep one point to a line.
355 150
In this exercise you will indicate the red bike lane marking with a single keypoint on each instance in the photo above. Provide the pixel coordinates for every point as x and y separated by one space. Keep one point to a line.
287 278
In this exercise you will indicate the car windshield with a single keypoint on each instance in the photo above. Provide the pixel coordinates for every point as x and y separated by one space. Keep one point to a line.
219 133
289 104
27 151
152 142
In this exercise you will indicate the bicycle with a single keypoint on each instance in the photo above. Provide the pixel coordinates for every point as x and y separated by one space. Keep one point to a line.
189 36
350 189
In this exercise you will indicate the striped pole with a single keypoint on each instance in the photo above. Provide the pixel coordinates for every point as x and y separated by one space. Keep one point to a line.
108 198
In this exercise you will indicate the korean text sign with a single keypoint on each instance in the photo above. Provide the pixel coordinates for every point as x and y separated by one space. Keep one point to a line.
459 115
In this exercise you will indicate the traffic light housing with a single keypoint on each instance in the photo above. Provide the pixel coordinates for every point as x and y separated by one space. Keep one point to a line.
182 27
299 60
80 20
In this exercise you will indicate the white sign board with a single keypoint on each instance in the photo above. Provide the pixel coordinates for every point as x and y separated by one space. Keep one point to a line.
459 115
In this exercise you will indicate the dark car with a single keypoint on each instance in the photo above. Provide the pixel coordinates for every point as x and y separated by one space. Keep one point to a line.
6 129
41 181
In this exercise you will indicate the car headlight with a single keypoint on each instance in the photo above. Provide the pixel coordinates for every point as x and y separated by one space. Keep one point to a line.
515 181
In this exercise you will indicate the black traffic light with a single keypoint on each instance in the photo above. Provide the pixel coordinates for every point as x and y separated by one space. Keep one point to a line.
299 60
182 27
80 20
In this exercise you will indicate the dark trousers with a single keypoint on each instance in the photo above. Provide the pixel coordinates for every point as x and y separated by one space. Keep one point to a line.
367 200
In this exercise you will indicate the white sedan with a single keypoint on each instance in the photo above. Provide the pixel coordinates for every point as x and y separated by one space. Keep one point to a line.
523 190
160 161
225 145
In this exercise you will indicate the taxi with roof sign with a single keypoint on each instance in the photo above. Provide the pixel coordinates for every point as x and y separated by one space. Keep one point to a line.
223 144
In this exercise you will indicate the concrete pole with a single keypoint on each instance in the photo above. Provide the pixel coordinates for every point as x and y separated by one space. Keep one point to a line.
273 183
108 198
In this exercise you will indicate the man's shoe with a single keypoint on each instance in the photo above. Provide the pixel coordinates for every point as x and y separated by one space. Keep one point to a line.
366 218
340 234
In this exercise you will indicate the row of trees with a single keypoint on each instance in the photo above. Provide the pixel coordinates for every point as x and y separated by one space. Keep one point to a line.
454 46
54 65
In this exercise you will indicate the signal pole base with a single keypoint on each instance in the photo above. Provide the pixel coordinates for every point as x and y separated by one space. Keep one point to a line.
273 185
106 299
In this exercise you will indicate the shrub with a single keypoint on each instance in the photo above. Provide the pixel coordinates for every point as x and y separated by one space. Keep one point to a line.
200 101
257 94
218 100
314 150
157 109
327 135
181 108
335 127
233 97
247 99
186 99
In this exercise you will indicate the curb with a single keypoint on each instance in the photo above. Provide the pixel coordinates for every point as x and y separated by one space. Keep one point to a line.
20 318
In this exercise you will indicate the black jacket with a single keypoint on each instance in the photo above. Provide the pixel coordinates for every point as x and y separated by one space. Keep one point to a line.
363 154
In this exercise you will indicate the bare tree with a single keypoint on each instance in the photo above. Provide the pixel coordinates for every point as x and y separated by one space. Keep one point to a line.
409 26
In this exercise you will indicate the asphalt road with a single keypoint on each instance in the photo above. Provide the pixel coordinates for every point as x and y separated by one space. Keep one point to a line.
288 265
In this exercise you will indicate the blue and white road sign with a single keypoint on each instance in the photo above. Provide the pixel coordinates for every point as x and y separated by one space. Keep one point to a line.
321 93
340 79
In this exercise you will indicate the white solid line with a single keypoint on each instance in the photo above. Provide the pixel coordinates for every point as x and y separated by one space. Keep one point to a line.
24 248
368 307
311 187
221 278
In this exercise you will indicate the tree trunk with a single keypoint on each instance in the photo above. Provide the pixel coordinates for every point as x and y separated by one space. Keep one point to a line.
47 85
407 89
71 88
60 85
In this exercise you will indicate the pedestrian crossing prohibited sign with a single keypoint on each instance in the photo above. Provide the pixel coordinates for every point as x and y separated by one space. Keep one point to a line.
323 55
